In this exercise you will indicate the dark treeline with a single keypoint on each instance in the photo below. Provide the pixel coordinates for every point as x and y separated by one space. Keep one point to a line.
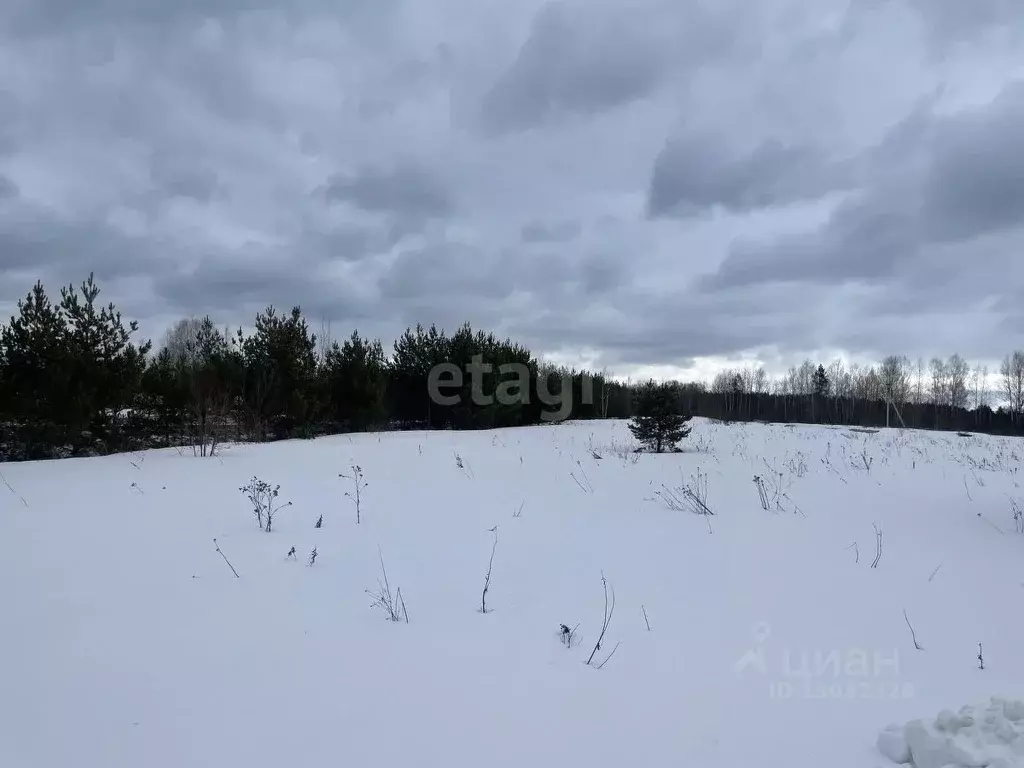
75 381
940 394
849 411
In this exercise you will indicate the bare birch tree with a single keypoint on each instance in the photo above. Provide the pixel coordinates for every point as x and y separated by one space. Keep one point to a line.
894 378
979 386
894 381
180 341
1012 372
957 371
760 380
837 378
919 371
939 387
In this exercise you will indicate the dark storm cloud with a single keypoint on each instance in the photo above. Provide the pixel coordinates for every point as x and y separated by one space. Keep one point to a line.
569 64
696 172
255 279
449 283
37 239
550 232
245 279
447 272
8 107
963 179
178 177
404 188
921 296
444 270
600 274
8 188
44 17
863 240
657 328
354 243
975 181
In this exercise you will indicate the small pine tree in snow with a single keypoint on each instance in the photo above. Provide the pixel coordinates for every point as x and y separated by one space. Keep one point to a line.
660 421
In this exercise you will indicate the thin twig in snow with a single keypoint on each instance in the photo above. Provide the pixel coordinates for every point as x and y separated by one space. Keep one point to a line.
1001 531
4 481
583 487
878 546
401 600
606 658
215 544
913 635
609 610
490 565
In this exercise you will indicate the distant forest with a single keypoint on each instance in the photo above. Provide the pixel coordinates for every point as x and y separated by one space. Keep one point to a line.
75 382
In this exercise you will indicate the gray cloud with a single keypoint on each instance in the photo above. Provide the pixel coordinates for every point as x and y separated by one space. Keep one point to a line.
550 232
7 188
949 22
44 17
441 268
178 177
975 182
39 239
355 243
571 64
405 188
960 179
697 172
584 58
658 328
654 182
255 280
863 240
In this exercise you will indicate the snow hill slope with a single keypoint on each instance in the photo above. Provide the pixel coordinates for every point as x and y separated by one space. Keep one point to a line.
128 643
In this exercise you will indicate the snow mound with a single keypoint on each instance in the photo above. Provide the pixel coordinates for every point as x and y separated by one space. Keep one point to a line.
989 736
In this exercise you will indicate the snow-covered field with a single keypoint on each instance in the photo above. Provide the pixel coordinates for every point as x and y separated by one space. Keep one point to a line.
127 642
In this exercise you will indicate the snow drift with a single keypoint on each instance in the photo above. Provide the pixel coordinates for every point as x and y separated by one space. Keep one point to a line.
989 736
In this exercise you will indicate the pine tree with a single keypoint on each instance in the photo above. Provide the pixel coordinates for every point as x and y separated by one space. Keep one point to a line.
659 422
105 365
36 384
281 367
354 376
820 381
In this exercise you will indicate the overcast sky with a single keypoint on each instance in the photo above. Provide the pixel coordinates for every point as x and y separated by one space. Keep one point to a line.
629 183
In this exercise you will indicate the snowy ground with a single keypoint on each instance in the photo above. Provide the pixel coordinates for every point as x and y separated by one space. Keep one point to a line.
127 642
